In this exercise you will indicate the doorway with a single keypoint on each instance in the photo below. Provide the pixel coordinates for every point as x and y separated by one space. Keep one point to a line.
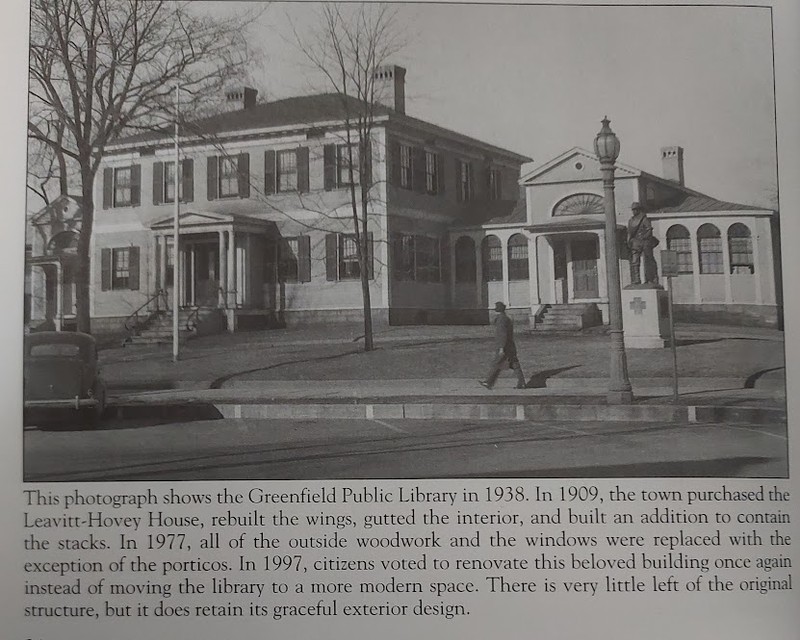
584 269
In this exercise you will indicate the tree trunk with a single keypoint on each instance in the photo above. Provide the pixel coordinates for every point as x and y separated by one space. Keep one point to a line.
363 252
82 284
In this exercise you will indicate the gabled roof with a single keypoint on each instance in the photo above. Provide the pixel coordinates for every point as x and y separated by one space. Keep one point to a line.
299 111
57 208
539 170
205 218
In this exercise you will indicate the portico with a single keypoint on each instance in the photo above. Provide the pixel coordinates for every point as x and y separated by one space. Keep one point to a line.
220 258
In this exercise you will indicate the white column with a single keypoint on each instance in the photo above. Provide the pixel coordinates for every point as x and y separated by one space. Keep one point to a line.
192 275
452 271
222 269
533 270
570 278
60 295
726 264
163 257
755 240
602 288
231 269
479 274
506 286
180 259
695 265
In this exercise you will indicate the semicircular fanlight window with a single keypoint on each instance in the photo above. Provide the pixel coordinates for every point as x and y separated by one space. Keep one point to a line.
581 204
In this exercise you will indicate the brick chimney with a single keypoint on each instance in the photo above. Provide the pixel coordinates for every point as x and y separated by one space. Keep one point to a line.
672 164
240 97
390 87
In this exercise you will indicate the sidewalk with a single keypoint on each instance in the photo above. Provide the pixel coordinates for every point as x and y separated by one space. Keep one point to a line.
726 373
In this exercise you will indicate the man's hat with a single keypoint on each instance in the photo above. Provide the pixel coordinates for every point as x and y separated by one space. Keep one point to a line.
636 207
499 307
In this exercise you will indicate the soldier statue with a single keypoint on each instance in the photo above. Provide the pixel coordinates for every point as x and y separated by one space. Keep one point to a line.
641 243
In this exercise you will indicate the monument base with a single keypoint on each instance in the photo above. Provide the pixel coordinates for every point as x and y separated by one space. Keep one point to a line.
645 317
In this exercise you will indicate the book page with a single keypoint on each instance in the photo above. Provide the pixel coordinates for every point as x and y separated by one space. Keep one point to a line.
571 410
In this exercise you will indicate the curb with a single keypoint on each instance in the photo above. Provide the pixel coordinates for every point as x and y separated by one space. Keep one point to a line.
647 413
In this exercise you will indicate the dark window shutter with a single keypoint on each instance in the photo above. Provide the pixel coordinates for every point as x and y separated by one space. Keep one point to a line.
331 257
418 170
158 182
440 182
212 179
444 266
302 170
304 259
370 257
368 163
187 177
133 269
329 153
105 269
243 168
459 191
395 162
136 185
270 173
108 187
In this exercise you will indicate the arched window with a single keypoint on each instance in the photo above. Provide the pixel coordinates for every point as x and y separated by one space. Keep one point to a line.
518 257
465 259
709 245
740 243
492 254
580 204
679 241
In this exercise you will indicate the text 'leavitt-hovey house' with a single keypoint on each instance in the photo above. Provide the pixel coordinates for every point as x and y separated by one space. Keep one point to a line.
455 225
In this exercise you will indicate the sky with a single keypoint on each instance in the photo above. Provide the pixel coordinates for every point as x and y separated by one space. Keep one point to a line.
538 79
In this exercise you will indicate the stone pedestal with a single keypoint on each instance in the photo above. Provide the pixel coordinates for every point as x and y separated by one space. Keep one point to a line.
645 317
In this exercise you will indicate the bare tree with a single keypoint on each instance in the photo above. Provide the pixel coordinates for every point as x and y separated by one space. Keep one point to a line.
102 68
349 45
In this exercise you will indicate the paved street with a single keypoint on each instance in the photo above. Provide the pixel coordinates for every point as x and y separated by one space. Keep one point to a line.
393 448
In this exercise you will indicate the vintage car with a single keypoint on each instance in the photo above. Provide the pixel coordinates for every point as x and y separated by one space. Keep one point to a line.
62 378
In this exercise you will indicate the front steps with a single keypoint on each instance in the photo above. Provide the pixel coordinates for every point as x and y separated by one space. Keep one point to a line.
567 317
191 323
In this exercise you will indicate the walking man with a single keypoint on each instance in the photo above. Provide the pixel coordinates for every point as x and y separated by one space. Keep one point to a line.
505 349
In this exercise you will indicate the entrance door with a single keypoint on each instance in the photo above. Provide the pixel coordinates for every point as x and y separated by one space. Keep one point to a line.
584 269
206 274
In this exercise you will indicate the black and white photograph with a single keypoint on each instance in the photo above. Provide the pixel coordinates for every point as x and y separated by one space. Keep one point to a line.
318 241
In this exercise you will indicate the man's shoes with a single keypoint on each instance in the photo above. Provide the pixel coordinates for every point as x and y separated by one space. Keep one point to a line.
485 384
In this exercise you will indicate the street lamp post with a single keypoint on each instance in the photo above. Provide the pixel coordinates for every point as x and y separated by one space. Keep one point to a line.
606 146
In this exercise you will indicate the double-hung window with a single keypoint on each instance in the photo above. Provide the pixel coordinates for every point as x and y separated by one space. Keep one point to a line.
406 167
495 179
347 157
464 176
121 268
123 183
287 170
228 177
431 173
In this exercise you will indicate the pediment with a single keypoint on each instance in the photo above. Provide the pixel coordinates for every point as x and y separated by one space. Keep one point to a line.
193 218
575 165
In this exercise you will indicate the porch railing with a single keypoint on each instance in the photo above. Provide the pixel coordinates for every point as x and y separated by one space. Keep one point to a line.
145 313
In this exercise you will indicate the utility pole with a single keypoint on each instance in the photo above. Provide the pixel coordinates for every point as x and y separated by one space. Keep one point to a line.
176 263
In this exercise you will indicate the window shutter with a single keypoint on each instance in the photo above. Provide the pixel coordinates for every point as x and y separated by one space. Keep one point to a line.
368 163
418 169
105 269
331 257
440 181
302 170
329 153
158 182
108 187
133 269
187 178
444 264
136 185
243 169
270 174
212 179
395 162
304 259
459 189
370 257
